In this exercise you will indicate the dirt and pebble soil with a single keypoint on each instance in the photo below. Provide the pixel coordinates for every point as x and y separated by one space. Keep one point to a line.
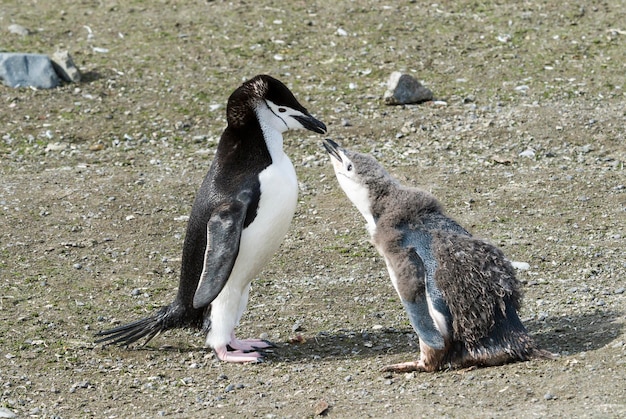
524 146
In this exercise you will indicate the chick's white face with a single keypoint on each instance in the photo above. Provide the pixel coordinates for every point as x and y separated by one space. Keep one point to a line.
355 189
282 118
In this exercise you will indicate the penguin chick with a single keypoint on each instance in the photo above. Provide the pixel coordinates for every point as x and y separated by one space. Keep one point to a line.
460 293
240 216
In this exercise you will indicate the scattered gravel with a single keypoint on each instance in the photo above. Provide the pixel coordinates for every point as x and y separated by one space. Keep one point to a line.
524 145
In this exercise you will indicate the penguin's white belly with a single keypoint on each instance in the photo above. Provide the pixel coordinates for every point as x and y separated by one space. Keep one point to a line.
259 241
392 276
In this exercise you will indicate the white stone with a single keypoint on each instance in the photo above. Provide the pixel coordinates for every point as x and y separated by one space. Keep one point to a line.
18 30
65 67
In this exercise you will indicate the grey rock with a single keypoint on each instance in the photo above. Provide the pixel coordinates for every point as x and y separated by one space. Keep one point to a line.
65 67
27 70
297 326
18 30
6 413
81 384
404 89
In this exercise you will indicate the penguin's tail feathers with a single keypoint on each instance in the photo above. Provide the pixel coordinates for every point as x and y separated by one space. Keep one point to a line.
147 328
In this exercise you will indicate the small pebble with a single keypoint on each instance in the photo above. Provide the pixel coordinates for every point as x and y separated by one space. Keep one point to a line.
297 326
16 29
6 413
522 266
549 396
321 407
81 384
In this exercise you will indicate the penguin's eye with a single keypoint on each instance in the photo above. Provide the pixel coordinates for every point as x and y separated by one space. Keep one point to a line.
349 167
282 110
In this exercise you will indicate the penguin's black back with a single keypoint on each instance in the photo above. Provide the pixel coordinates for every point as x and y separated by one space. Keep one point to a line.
226 177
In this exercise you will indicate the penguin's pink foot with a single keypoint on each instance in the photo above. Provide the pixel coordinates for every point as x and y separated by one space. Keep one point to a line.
405 367
237 355
249 344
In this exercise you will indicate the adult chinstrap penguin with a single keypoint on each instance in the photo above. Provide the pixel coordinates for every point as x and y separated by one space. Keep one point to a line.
460 292
239 218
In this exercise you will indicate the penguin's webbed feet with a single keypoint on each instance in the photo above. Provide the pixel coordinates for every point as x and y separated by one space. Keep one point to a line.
405 367
250 344
243 350
228 354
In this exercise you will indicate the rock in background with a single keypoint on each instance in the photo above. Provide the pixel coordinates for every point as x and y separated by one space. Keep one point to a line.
37 70
27 70
65 67
16 29
404 89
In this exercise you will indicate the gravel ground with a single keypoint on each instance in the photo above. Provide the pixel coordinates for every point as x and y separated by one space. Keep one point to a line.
524 145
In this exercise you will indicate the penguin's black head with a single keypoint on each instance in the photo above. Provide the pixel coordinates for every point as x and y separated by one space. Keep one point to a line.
269 101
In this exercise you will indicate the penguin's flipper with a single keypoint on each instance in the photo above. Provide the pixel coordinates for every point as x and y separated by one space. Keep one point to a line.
223 236
422 322
429 313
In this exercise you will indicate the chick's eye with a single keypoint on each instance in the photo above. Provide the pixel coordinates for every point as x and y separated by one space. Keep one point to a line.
349 167
282 110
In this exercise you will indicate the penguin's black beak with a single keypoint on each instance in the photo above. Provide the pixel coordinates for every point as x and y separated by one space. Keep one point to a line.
332 148
311 123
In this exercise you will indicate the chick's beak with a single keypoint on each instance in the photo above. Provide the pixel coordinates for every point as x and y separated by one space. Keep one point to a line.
333 149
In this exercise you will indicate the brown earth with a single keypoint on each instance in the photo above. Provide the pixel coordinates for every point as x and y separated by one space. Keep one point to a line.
98 177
